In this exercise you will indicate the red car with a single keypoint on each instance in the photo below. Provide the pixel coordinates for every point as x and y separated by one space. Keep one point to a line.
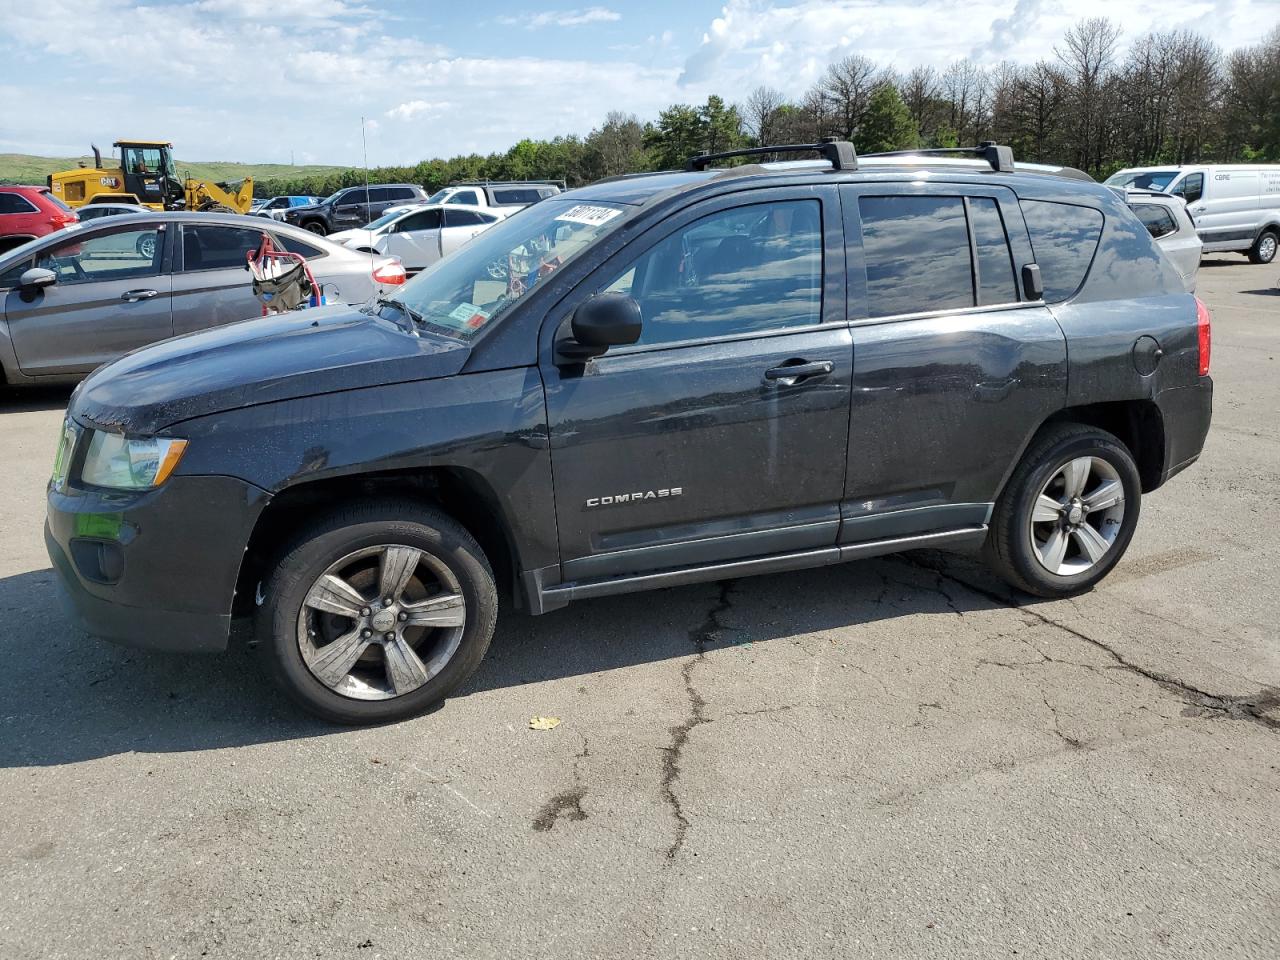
30 212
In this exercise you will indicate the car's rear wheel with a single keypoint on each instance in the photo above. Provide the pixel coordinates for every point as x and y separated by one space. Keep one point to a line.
1067 514
377 612
1264 248
316 226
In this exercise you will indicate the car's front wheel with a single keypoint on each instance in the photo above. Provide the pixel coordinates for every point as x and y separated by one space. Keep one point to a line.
377 612
316 226
1067 514
1264 248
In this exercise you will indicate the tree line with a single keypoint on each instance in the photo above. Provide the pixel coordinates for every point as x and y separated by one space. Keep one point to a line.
1174 97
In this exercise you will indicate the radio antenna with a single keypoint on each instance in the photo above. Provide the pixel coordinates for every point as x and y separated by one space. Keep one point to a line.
364 143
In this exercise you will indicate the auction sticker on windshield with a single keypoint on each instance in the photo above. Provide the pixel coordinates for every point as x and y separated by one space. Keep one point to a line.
591 216
466 316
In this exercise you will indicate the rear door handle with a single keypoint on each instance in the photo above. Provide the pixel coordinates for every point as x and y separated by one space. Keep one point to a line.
791 373
132 295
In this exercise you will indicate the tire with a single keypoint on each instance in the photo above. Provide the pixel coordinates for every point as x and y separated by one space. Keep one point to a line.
1021 548
361 545
316 226
1264 248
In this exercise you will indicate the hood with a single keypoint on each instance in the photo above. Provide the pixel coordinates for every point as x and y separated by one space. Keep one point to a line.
305 208
281 357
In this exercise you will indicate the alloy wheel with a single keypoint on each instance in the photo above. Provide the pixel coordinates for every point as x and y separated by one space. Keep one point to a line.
1267 248
1077 516
381 622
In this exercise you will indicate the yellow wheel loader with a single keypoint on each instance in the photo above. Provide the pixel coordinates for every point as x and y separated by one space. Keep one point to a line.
147 176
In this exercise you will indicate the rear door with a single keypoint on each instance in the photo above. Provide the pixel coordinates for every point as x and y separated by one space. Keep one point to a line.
112 296
415 239
695 444
954 366
212 285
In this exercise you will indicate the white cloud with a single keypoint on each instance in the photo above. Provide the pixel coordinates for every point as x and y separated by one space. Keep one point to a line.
413 108
561 18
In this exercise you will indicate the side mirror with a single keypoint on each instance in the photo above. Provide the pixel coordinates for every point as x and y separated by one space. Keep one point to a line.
37 278
603 321
1031 282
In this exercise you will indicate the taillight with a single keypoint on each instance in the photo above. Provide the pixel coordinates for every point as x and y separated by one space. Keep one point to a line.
1203 323
390 273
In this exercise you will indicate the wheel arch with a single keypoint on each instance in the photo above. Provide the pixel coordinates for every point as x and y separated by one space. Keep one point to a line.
1138 424
461 493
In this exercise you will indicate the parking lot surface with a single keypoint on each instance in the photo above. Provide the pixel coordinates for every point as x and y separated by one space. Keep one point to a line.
887 758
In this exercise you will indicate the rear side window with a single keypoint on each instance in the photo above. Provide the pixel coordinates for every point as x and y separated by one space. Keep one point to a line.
996 280
516 195
461 218
56 201
294 245
208 247
401 193
1157 219
15 203
917 254
1063 237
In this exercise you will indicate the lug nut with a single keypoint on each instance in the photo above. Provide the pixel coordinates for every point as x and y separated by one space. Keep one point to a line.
403 615
389 636
386 602
364 611
366 633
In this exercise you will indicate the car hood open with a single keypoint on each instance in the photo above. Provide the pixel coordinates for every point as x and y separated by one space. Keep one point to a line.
308 352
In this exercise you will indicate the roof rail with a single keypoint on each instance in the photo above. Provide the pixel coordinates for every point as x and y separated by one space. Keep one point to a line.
997 155
839 152
487 182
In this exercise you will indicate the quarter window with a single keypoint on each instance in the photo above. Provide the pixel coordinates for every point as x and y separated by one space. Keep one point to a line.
997 282
1157 219
1064 237
743 270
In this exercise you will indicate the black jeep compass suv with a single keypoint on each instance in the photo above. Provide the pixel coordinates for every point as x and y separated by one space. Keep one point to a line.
650 381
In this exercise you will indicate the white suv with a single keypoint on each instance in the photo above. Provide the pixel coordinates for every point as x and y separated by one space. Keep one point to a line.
509 196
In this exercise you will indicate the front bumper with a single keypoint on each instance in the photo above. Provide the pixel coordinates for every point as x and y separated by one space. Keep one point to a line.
155 569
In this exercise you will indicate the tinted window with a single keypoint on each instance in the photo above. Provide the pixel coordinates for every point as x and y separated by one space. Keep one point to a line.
465 196
917 254
402 193
741 270
1157 219
996 281
461 218
1192 188
209 247
380 195
350 197
425 220
15 203
56 201
515 196
294 245
118 255
1063 238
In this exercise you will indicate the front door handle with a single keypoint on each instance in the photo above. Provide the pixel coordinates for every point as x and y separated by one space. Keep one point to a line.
792 373
133 295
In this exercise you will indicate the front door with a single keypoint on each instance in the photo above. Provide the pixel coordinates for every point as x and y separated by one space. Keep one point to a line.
955 366
415 239
721 434
112 296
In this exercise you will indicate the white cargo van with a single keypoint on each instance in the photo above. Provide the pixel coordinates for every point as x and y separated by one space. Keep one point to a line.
1234 206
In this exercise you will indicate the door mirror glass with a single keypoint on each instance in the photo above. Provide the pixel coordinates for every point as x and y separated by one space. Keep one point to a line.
37 277
606 320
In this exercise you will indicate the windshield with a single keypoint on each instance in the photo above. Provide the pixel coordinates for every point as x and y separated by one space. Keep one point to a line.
385 219
1142 180
462 293
439 196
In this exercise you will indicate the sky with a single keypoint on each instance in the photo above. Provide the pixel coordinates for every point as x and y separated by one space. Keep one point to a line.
280 81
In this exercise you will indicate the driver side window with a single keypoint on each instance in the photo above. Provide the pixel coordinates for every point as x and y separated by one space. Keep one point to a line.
118 255
747 269
1192 188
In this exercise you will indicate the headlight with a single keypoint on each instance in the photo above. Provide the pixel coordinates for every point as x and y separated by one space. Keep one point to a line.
125 463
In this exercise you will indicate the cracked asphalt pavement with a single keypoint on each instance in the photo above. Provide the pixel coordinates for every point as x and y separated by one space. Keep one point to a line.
894 758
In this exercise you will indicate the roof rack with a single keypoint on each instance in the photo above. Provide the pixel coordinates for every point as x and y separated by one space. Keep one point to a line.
997 155
487 182
839 152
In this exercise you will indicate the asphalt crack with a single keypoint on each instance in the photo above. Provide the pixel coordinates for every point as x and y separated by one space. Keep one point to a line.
706 632
1254 708
568 803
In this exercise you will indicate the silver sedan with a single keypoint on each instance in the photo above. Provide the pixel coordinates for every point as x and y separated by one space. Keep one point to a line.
86 295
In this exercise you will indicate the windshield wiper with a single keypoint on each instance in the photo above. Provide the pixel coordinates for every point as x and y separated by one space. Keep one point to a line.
408 311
